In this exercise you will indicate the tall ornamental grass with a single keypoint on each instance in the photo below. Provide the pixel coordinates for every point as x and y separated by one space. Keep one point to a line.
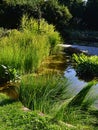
44 93
26 48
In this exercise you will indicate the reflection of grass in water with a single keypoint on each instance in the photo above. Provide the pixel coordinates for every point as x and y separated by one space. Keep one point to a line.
54 64
79 99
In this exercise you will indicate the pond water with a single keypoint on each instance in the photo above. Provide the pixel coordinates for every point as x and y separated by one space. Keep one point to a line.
75 84
62 64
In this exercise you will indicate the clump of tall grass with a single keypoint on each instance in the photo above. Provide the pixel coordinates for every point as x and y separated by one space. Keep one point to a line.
48 30
48 93
43 93
26 48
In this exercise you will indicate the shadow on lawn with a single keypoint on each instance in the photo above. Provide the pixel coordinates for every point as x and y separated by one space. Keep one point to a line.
6 102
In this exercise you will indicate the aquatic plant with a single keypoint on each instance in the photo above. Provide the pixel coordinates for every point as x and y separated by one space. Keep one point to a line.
7 74
86 66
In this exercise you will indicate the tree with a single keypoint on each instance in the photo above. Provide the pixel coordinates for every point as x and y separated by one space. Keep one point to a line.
91 15
76 8
56 14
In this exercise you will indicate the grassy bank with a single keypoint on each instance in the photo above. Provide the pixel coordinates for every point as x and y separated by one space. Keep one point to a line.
48 111
48 94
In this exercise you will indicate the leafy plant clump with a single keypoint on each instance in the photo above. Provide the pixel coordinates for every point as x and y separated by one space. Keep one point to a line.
86 66
7 74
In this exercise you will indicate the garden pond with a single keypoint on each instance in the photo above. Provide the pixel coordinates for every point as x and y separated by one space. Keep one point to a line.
61 64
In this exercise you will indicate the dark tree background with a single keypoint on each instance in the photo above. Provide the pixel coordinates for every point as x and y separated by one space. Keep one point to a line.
64 14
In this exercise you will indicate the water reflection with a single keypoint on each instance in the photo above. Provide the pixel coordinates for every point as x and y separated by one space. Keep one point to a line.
75 84
93 96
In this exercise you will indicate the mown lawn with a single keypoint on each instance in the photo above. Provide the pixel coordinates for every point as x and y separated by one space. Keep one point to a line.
14 116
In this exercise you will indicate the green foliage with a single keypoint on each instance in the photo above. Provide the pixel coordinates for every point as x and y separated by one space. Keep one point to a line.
23 2
13 10
48 94
77 10
13 117
45 95
91 16
7 74
27 48
86 66
60 14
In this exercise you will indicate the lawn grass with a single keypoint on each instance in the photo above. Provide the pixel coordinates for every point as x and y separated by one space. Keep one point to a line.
14 116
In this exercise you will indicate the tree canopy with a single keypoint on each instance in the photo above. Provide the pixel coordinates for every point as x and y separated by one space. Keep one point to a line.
64 14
